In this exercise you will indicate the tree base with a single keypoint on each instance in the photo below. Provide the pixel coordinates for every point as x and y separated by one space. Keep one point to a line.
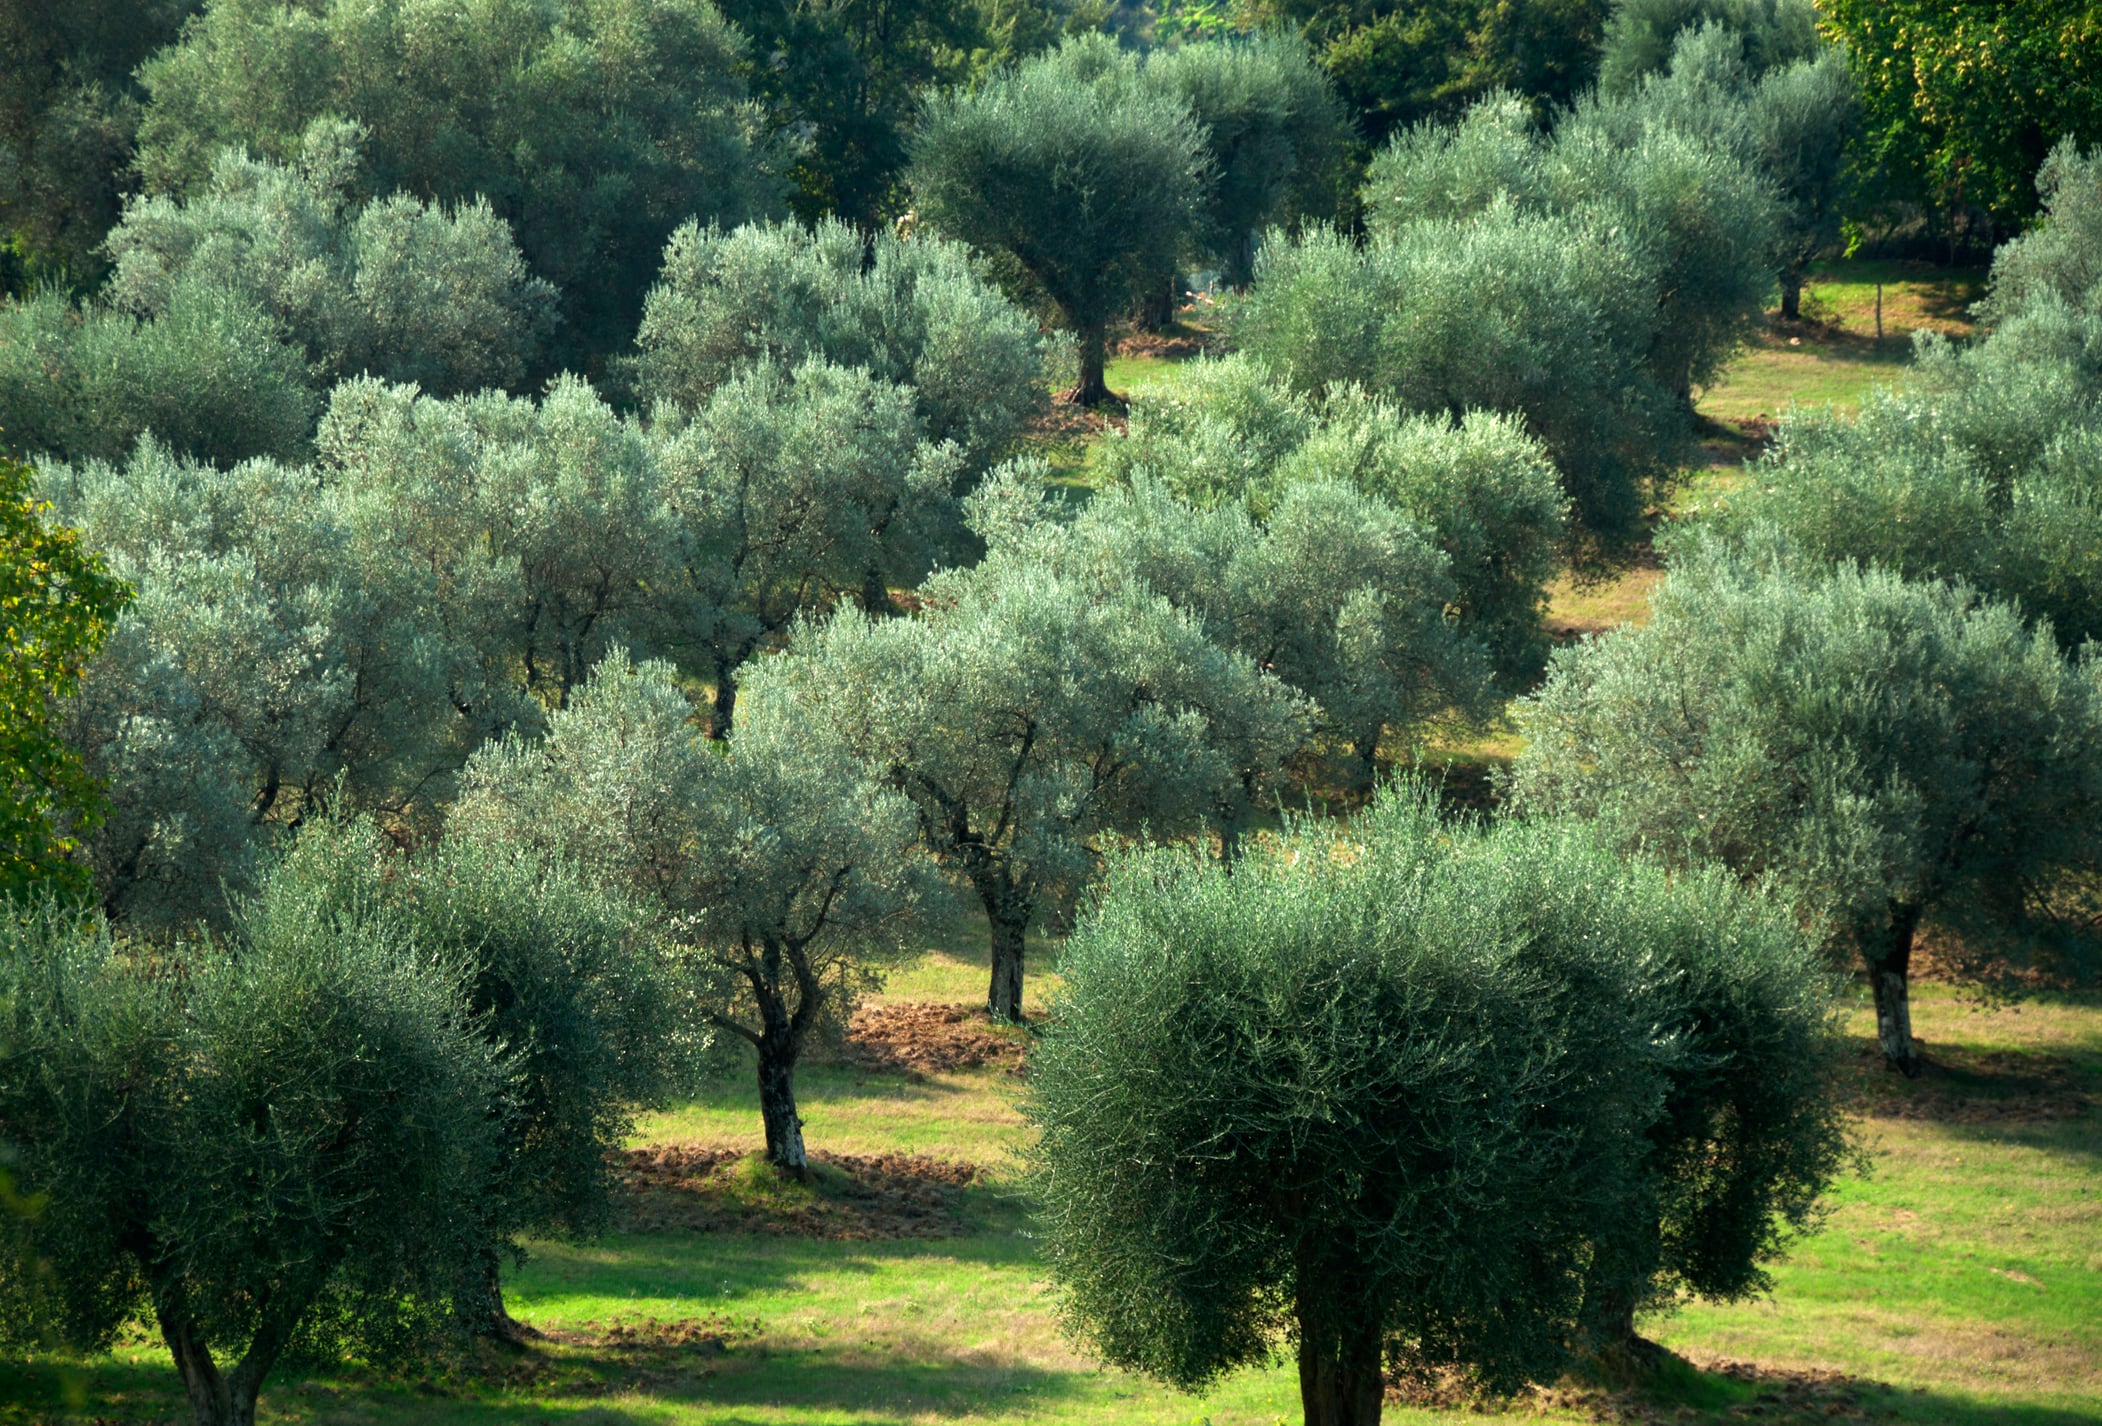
1090 397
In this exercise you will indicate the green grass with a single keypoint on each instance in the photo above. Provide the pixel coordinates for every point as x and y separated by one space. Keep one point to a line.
1961 1281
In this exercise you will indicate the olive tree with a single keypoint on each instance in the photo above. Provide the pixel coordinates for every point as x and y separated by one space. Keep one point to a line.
1077 171
1029 719
1274 134
1478 488
394 287
1641 34
1334 592
796 488
785 867
1537 315
2062 254
564 975
1883 752
1262 1128
912 312
270 1144
593 127
210 377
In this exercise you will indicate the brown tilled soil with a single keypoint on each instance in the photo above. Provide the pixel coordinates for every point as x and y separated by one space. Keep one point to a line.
1181 343
695 1188
917 1037
610 1358
1781 1395
1964 1086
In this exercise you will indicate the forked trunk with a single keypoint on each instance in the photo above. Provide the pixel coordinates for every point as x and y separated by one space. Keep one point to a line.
216 1398
1889 966
1092 390
777 1106
1340 1377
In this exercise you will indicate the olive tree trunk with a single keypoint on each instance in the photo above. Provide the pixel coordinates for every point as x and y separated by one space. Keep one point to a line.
1889 959
1091 390
1791 294
1007 914
226 1398
1340 1378
724 709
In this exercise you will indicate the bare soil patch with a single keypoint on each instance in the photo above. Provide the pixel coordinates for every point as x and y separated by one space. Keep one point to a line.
1965 1086
919 1037
699 1188
1177 345
1778 1394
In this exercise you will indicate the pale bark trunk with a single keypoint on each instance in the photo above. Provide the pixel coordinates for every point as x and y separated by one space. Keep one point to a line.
1340 1378
1889 969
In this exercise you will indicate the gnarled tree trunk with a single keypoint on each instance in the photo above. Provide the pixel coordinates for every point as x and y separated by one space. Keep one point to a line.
724 710
1092 390
777 1104
1007 913
1341 1382
1889 960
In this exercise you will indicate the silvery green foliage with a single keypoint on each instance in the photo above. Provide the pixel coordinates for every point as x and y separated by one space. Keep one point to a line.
1075 170
1881 751
1227 432
912 312
1687 207
280 643
1532 314
1261 1133
550 522
210 378
1641 35
1334 592
2061 255
593 127
775 854
1273 129
796 487
1032 718
1986 464
1792 120
394 287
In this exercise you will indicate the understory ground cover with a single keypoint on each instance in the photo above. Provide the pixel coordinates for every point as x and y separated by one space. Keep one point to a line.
1958 1278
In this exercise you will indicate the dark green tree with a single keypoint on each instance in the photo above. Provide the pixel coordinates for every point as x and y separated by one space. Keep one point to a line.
1962 100
1262 1128
57 603
1882 752
278 1142
69 109
1074 169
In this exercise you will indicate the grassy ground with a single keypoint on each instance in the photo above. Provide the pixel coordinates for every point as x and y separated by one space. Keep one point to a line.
1958 1281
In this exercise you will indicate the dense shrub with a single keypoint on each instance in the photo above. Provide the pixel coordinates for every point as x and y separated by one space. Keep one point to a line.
1260 1127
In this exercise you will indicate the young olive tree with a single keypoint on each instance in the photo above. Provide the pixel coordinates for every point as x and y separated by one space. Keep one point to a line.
593 127
789 872
271 1144
913 312
796 488
564 976
1029 719
395 287
1261 1123
1479 489
1077 171
1882 752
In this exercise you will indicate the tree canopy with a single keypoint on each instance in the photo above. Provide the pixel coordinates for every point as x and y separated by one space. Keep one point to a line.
1077 171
